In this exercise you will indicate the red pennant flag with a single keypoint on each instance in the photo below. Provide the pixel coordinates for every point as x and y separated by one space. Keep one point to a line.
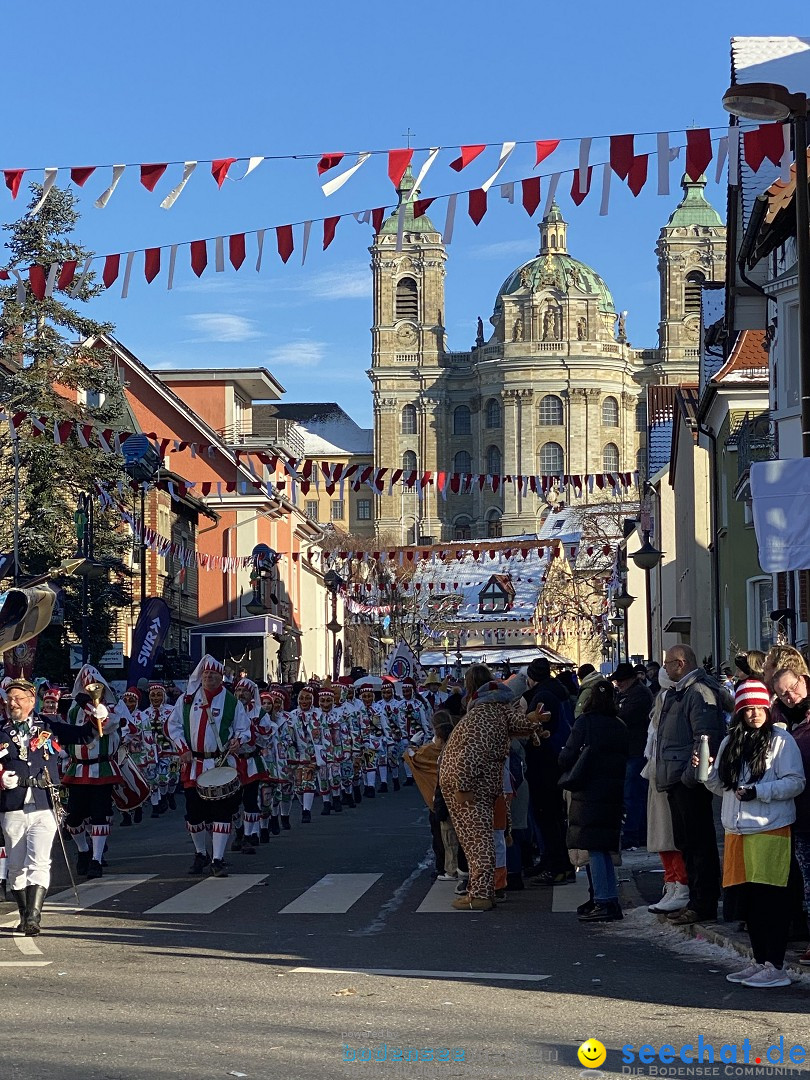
377 218
236 249
531 194
468 154
329 161
398 162
13 180
622 154
81 174
150 174
112 265
36 276
329 226
766 141
66 274
151 264
637 174
576 194
420 206
698 152
544 148
62 431
219 169
284 241
478 204
199 256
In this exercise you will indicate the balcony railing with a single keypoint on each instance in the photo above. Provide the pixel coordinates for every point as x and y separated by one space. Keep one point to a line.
284 435
755 442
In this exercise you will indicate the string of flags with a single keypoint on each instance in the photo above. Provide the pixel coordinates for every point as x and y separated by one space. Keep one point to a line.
304 474
701 148
768 140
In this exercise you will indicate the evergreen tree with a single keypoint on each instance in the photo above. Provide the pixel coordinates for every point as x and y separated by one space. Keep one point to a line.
52 366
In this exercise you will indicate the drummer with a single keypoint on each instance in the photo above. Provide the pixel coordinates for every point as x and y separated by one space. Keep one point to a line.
207 724
252 769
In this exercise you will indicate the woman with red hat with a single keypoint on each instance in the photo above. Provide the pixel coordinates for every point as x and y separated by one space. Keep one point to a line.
759 773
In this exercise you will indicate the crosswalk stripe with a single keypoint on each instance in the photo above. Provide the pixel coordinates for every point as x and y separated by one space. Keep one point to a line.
421 973
95 892
569 897
207 895
440 896
334 894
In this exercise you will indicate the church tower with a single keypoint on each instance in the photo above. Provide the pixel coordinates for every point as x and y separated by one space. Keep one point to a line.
407 354
691 249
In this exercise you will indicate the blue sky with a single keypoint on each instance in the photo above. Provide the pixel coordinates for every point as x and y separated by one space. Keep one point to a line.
151 82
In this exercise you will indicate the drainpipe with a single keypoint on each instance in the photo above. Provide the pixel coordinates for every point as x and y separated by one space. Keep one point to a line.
714 507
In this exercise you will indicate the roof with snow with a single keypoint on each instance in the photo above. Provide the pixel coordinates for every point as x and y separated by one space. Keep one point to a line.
327 428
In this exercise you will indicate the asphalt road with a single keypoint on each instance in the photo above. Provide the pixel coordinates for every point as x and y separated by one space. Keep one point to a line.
161 975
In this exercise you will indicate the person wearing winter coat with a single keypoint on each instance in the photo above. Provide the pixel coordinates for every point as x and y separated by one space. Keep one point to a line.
758 771
595 813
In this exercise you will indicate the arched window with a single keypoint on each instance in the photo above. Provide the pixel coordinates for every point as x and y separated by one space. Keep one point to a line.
641 464
409 420
462 462
494 526
462 424
641 416
493 413
553 240
462 529
551 458
610 412
409 460
493 461
691 292
407 305
551 411
610 458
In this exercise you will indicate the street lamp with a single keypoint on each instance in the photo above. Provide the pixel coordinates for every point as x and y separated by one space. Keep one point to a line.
622 601
333 582
647 558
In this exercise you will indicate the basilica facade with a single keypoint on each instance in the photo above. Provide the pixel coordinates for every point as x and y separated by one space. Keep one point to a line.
552 387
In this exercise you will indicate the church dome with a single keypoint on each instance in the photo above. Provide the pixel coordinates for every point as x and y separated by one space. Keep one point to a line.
554 268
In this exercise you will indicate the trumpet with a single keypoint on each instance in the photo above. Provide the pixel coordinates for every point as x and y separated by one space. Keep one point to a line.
95 691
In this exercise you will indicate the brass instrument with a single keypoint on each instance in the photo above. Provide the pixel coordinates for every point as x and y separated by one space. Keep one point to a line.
95 691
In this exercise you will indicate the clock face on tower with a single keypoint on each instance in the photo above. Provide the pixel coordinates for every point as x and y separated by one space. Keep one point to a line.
406 334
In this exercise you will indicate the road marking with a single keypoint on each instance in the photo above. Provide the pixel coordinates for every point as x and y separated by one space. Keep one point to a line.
416 973
25 944
439 898
207 896
25 963
95 892
569 897
334 894
378 924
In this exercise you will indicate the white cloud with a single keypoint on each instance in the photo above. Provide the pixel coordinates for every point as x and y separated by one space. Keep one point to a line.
501 248
297 354
350 283
218 326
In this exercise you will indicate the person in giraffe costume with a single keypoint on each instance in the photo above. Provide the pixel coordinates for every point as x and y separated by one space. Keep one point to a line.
388 710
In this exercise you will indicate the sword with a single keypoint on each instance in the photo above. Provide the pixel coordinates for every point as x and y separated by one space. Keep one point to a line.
54 796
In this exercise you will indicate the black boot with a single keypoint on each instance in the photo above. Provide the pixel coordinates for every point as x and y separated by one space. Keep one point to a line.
35 895
327 809
369 793
408 781
155 810
285 821
275 827
171 801
306 817
514 882
126 819
346 799
337 806
22 904
137 817
82 862
396 783
357 795
264 836
384 787
238 838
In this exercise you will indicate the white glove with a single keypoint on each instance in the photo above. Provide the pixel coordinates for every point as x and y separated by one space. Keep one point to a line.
98 712
9 780
109 722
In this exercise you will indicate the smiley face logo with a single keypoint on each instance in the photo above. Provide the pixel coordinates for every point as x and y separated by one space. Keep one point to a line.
592 1054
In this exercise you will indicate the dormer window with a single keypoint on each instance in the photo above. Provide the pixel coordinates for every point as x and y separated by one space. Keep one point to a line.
498 595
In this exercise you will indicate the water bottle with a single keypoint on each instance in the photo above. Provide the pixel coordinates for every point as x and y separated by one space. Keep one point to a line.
703 759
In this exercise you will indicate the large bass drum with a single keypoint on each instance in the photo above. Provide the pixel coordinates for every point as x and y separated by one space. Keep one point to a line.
132 790
218 783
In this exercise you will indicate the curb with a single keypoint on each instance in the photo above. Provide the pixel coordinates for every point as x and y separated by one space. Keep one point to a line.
727 939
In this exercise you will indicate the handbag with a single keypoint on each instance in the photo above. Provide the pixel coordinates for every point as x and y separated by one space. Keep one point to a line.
575 778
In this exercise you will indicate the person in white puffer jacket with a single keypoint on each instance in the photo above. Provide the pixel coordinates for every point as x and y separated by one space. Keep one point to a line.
758 772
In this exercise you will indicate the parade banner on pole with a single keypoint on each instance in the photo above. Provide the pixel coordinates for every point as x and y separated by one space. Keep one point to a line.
402 663
149 634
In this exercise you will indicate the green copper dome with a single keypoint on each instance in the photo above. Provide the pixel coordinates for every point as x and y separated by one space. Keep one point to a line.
694 208
411 224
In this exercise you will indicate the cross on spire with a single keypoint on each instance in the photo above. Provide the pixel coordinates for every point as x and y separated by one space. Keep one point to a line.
409 135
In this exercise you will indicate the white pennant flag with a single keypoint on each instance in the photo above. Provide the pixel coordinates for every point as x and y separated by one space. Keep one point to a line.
552 191
506 152
172 262
447 235
105 196
606 171
50 281
127 275
305 242
331 186
584 155
663 162
785 162
434 153
174 194
219 255
20 287
78 283
259 249
49 181
253 163
722 154
508 192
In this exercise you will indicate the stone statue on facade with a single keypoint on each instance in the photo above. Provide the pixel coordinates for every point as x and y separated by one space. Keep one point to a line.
517 329
582 329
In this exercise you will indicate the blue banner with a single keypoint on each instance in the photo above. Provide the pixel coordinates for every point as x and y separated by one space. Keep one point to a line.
149 634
